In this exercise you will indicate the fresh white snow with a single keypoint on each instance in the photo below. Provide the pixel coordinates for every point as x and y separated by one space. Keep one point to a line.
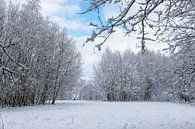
100 115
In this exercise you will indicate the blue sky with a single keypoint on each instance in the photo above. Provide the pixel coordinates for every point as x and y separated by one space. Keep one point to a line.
84 18
65 13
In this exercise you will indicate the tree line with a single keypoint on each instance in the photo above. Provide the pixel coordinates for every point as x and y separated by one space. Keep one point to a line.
37 58
126 76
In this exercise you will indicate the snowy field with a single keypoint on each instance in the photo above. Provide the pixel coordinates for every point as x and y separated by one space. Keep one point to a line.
101 115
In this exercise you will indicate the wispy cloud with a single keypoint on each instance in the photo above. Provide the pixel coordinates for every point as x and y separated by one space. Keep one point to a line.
59 7
65 13
91 56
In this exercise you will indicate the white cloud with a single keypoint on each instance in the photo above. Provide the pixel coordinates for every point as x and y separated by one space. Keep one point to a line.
59 7
91 56
117 42
75 25
64 13
110 11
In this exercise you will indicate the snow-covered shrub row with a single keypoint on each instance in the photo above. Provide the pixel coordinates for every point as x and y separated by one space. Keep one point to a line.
144 77
37 59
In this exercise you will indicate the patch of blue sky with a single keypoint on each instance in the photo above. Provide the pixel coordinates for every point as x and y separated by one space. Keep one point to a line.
85 19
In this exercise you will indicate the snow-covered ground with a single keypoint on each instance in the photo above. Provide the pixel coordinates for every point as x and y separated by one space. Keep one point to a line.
101 115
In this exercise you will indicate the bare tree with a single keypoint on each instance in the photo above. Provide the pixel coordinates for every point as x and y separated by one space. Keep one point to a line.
161 16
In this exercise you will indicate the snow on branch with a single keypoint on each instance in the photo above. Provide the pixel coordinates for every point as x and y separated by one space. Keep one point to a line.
158 15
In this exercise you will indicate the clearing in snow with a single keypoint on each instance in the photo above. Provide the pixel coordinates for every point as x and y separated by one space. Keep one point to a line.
100 115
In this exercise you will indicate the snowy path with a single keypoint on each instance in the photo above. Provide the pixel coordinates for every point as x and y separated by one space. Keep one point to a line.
101 115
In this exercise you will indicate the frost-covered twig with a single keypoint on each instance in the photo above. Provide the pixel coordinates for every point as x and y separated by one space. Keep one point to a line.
161 16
